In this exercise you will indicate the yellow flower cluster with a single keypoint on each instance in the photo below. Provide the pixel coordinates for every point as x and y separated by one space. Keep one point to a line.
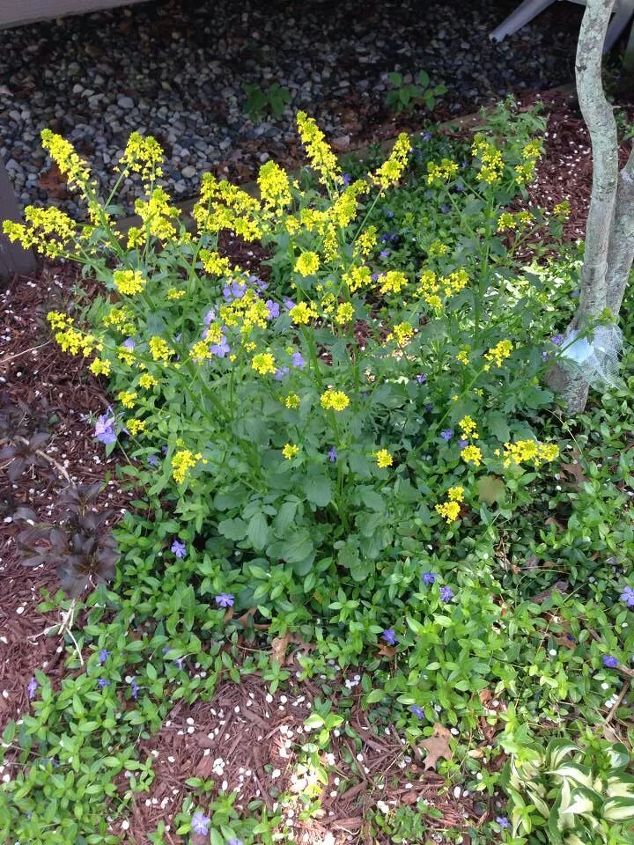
263 363
463 355
182 462
275 190
160 350
125 354
128 282
345 313
64 155
383 458
439 174
127 398
119 319
437 249
290 451
334 400
433 287
69 338
562 210
529 451
491 161
468 428
366 242
156 215
225 206
450 510
100 367
176 293
392 282
292 401
509 222
531 153
344 209
357 277
49 231
248 312
215 264
498 354
391 170
146 381
135 426
402 333
472 455
321 157
302 313
200 352
307 264
142 155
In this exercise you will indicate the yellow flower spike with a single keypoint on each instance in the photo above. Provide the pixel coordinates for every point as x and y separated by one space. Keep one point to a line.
290 451
128 282
135 426
125 354
216 264
66 158
182 462
302 313
468 428
366 242
383 458
392 282
175 294
321 157
391 170
307 264
343 314
334 400
472 455
292 401
159 349
450 511
437 249
357 277
402 333
127 398
143 155
441 173
274 188
529 451
100 367
147 381
463 355
225 206
263 363
49 231
200 352
499 353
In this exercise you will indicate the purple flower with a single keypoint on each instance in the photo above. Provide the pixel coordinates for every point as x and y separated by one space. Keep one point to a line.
31 689
421 378
220 349
463 443
375 276
446 593
225 600
134 689
274 309
234 841
385 253
389 636
129 343
234 290
445 209
178 548
200 823
503 821
103 682
258 283
288 303
298 360
104 654
389 213
428 578
557 339
332 454
628 596
209 317
104 431
426 135
152 460
281 373
346 179
609 661
417 711
180 662
446 434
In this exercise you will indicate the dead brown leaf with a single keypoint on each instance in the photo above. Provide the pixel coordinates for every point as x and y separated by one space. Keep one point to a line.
53 182
386 650
205 767
437 746
278 648
575 471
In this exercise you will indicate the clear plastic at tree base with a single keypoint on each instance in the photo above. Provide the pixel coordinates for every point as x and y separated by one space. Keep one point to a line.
595 357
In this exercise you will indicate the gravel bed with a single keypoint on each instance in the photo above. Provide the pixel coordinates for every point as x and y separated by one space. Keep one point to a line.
177 70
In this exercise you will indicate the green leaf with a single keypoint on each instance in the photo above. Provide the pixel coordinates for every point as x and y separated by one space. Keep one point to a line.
318 490
297 547
258 531
497 425
233 529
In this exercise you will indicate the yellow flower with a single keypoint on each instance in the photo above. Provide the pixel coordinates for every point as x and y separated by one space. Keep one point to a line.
562 210
463 355
454 282
307 264
345 313
438 174
392 282
290 450
47 230
383 459
274 188
391 170
125 354
499 353
200 352
215 264
69 338
63 153
450 511
437 249
128 282
334 400
468 428
472 455
121 320
159 349
402 333
143 156
175 293
357 277
302 313
127 398
321 157
263 363
135 426
524 451
146 381
100 367
225 206
366 241
456 494
156 215
292 401
182 462
491 161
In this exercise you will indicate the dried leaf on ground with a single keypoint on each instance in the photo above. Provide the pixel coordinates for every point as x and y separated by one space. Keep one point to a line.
278 648
437 746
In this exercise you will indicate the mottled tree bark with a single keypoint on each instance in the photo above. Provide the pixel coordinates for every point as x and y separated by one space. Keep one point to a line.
609 243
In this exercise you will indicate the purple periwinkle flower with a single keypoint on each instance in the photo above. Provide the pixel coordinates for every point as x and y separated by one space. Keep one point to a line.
281 373
134 689
200 823
234 841
103 683
446 593
104 430
503 821
104 654
385 253
258 283
610 662
298 360
153 460
446 434
417 711
180 662
463 443
234 290
628 596
225 600
346 179
332 454
209 317
273 309
426 135
288 303
220 349
428 578
179 549
421 378
129 343
389 636
557 339
31 689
